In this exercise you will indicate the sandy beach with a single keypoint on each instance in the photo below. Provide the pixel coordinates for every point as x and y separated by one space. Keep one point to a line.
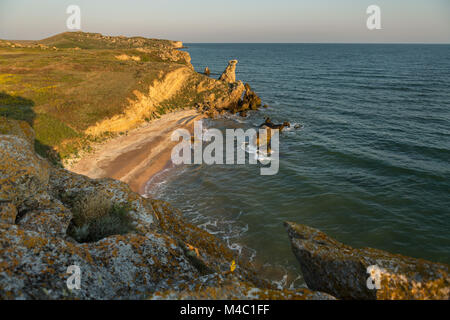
136 157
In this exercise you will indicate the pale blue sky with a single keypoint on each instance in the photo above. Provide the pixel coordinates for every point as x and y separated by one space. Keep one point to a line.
233 20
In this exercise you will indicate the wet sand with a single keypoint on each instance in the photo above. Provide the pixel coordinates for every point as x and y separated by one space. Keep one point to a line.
136 157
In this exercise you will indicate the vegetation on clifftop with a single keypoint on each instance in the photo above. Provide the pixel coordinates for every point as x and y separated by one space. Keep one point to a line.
96 217
70 82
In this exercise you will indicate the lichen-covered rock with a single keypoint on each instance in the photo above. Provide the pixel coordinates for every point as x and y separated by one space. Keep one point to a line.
342 271
233 289
229 75
8 213
161 253
33 265
17 128
53 218
66 186
22 174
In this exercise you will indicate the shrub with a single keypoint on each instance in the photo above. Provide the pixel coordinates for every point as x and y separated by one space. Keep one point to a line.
96 217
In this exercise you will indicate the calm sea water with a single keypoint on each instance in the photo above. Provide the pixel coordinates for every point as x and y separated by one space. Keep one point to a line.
370 165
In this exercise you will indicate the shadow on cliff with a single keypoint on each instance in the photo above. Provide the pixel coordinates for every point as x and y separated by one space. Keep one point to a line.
20 108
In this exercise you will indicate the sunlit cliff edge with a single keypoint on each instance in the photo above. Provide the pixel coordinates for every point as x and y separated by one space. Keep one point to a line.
79 88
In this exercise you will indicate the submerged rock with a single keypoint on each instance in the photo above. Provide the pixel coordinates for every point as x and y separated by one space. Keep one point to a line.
330 266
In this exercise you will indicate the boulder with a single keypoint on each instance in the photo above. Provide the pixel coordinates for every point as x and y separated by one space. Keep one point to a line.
348 273
207 72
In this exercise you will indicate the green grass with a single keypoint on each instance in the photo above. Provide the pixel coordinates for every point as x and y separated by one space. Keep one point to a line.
116 221
16 107
63 92
96 217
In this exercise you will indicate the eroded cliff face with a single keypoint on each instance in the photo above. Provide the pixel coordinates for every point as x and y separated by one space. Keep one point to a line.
162 257
145 104
330 266
181 88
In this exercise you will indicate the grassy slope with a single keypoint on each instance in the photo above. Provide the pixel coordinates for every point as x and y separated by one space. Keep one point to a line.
61 90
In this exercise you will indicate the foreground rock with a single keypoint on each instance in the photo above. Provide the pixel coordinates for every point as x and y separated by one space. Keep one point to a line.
162 257
243 291
330 266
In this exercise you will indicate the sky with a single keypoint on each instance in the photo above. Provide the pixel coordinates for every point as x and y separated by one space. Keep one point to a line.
335 21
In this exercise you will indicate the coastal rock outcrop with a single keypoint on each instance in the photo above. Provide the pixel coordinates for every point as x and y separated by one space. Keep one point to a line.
239 98
342 271
229 75
242 291
250 100
161 253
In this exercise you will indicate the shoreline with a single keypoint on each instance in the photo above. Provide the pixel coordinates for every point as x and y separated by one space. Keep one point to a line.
139 155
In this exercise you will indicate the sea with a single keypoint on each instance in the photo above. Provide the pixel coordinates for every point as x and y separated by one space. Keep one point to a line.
366 160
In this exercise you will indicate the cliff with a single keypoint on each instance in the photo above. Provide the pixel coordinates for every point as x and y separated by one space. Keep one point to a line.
126 246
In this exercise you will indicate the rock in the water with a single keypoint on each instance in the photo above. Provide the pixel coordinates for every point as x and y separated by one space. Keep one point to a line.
207 72
251 99
229 75
342 271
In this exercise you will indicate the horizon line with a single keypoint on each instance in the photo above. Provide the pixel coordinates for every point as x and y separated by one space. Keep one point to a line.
429 43
238 42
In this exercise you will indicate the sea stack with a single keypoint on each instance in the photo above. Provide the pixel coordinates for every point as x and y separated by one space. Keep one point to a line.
229 75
